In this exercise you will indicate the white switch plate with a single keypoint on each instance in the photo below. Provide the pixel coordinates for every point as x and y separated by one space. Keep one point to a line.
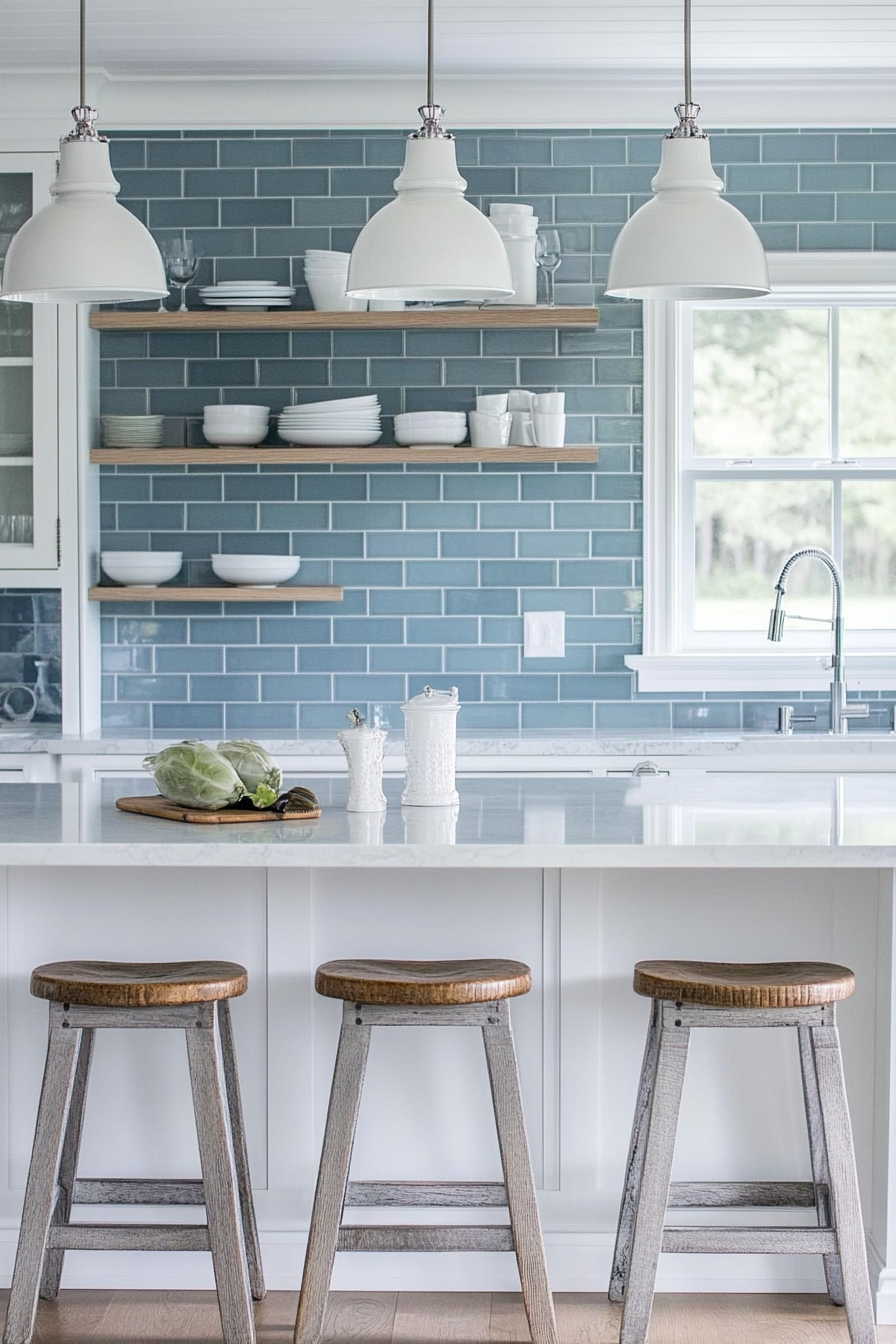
544 634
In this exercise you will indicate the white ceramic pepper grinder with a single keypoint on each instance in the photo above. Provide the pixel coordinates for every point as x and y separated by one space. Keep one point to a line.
430 745
363 747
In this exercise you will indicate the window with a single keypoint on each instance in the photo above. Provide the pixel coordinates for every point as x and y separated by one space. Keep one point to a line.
771 425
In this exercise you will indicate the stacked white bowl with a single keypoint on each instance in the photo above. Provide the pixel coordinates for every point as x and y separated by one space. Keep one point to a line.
226 426
353 422
430 428
326 275
255 571
132 431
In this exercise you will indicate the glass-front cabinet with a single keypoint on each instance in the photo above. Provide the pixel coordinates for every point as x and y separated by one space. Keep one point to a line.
29 429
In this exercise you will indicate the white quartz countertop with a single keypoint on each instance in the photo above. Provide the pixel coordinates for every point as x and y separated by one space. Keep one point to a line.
877 747
726 820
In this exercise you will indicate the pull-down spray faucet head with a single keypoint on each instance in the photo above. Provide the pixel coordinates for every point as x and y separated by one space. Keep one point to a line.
777 617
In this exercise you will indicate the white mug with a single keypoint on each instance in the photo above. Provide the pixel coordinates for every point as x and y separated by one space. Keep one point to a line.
550 403
489 431
550 430
518 399
522 431
495 403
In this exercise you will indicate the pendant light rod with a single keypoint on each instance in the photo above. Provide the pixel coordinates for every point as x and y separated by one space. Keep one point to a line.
687 51
430 52
83 59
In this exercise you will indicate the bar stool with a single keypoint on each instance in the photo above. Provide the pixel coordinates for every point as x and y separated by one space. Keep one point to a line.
191 996
417 994
687 994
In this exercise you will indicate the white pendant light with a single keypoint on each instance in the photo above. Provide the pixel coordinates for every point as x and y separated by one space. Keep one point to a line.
83 247
429 243
687 243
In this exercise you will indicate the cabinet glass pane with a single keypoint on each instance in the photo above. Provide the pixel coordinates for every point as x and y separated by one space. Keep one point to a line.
867 390
761 382
15 318
745 530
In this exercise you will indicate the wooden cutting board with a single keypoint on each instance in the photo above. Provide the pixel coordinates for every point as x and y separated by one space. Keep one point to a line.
157 806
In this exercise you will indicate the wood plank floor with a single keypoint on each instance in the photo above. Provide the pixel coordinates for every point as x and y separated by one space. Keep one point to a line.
80 1317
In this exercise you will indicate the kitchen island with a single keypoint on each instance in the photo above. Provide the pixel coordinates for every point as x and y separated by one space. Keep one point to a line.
580 877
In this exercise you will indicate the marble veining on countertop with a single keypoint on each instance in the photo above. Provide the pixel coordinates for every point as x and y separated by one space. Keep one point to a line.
684 744
688 820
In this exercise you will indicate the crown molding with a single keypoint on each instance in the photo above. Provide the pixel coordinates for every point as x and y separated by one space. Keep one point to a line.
35 104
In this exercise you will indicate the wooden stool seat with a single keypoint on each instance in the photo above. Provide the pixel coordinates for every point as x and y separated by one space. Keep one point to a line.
138 984
735 984
413 983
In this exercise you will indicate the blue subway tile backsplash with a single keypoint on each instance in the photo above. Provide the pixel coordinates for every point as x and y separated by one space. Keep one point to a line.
439 563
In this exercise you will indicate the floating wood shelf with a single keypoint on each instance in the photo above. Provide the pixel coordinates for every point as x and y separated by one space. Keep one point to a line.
214 593
208 319
368 457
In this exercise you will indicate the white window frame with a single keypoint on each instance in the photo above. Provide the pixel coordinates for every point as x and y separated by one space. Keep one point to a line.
665 664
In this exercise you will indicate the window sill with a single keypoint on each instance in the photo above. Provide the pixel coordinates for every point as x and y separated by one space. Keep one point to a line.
758 672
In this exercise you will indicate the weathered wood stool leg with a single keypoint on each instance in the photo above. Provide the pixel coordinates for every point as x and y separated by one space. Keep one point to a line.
219 1180
818 1153
844 1184
650 1213
68 1166
329 1197
518 1181
634 1169
240 1152
43 1174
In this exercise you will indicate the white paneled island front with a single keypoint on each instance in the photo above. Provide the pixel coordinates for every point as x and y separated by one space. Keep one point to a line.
578 877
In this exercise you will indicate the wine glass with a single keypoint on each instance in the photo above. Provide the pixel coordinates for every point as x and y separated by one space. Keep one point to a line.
181 265
547 255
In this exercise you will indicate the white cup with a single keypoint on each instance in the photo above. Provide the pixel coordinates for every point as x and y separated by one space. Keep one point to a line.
492 404
510 208
518 399
489 431
550 430
522 430
550 403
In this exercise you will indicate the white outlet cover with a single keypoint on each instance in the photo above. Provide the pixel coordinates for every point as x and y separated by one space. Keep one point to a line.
544 634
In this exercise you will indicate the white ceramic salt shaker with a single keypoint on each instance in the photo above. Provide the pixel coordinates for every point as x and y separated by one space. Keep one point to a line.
363 747
430 745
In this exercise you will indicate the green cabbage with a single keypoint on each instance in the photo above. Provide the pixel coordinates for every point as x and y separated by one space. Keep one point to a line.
194 775
253 765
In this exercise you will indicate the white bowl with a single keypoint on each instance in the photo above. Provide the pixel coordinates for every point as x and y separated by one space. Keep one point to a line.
326 438
141 569
236 412
255 571
430 427
234 436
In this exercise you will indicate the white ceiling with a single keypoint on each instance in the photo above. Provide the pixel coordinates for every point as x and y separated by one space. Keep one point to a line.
130 38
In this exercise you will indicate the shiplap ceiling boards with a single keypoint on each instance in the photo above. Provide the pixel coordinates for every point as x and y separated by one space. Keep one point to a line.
129 37
512 63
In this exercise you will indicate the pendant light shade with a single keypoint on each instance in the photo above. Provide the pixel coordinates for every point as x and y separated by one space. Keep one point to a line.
429 243
687 243
83 247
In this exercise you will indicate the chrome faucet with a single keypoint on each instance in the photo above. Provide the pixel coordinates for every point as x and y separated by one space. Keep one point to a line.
841 712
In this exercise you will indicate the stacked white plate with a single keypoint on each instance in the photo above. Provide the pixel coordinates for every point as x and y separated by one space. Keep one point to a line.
133 431
353 422
326 275
252 295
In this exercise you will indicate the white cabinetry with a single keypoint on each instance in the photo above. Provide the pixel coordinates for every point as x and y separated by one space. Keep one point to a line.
29 400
